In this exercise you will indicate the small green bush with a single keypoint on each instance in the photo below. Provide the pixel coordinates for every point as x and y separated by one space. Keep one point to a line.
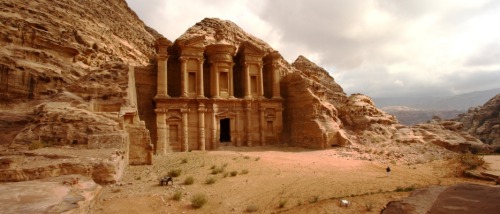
471 161
245 171
257 158
282 203
314 199
174 173
189 180
210 180
177 195
184 160
369 207
234 173
217 170
246 157
38 145
252 208
198 200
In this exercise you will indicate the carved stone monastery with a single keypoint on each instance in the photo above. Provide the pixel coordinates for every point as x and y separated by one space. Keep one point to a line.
212 95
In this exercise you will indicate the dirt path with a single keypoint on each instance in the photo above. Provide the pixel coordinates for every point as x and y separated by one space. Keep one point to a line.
304 181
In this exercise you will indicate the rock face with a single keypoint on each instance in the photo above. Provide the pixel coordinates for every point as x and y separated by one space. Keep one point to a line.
484 122
67 82
64 194
462 198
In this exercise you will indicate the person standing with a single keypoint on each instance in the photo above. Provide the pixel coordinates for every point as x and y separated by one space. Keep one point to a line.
388 170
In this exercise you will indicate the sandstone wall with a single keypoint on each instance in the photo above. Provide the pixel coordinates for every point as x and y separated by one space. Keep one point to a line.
484 122
145 82
48 44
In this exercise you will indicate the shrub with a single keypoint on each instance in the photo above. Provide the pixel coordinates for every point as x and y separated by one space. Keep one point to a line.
174 173
234 173
257 158
314 199
177 195
247 157
38 145
252 208
471 161
282 203
189 180
245 171
198 200
210 180
369 207
217 170
184 160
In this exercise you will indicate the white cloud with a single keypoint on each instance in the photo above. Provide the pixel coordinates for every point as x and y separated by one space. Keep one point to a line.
369 46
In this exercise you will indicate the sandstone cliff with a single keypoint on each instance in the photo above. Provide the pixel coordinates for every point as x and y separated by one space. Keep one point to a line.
483 122
67 82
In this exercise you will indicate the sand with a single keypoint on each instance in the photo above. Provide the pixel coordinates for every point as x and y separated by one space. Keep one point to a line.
278 180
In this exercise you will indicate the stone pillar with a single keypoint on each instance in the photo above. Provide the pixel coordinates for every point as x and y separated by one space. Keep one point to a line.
276 81
262 125
215 81
185 136
161 129
238 128
162 83
279 124
260 84
214 130
231 82
201 126
184 82
246 81
248 111
200 93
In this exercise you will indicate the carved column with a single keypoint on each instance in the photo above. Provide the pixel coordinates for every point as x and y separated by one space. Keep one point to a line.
238 128
260 84
246 80
276 81
231 86
184 82
201 126
162 83
185 136
262 125
215 80
200 92
279 124
248 111
161 129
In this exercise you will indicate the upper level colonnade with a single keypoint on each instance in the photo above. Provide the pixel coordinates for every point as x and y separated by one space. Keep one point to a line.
188 69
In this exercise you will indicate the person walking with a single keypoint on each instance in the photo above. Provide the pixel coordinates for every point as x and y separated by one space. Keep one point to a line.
388 170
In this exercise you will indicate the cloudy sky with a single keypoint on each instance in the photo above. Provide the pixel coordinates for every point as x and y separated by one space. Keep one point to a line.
380 48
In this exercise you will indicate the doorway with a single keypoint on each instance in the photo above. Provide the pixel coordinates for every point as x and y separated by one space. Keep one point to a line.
225 130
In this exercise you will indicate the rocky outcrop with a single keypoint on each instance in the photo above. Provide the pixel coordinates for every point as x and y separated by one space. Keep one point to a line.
462 198
65 194
67 87
484 122
104 166
47 45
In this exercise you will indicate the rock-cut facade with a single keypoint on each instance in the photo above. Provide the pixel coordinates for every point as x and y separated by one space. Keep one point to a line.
216 94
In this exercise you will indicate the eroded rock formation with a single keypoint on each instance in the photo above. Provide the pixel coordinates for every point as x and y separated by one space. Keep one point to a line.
483 122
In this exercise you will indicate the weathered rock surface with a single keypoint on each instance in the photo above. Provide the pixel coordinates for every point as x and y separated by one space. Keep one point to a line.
460 198
63 194
484 122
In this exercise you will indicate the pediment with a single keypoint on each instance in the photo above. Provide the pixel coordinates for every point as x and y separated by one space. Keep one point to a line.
251 49
194 42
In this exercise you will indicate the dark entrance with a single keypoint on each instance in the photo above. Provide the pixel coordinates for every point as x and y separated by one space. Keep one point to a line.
225 130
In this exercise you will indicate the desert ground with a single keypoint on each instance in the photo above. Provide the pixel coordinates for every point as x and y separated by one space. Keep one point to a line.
272 180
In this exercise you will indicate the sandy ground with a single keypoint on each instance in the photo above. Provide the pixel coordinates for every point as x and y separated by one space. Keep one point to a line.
304 181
